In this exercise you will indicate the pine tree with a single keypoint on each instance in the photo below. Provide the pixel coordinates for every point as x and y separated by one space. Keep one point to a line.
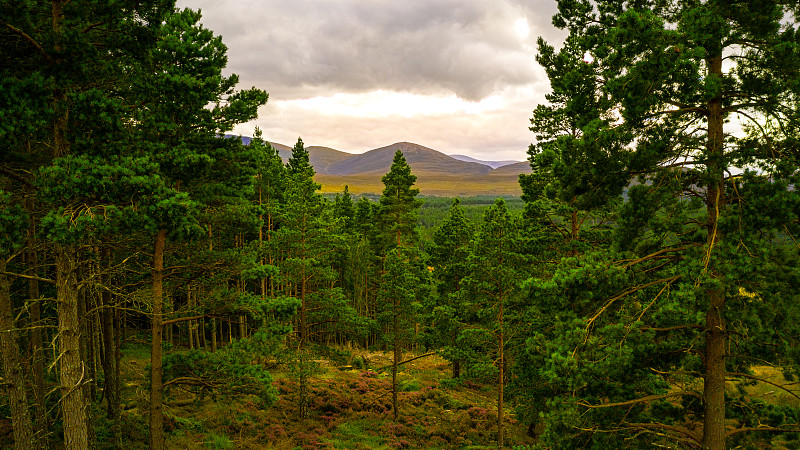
180 130
578 154
492 298
270 187
65 82
344 209
668 307
309 237
398 205
399 291
448 256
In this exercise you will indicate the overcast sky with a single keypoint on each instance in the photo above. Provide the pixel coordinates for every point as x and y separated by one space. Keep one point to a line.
458 76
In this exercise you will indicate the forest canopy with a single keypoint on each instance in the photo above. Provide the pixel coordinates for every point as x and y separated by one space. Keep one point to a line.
643 292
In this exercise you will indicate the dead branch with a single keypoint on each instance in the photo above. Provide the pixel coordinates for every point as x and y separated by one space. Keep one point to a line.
675 429
406 361
28 277
183 319
793 429
646 399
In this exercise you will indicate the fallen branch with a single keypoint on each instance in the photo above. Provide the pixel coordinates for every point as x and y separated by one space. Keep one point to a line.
189 381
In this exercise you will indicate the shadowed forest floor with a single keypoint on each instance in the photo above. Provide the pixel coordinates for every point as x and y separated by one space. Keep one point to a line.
350 407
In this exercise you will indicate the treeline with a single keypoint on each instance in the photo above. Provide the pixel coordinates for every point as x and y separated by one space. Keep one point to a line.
603 321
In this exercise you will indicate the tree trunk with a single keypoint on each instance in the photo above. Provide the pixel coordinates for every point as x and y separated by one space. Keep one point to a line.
501 378
213 334
156 388
109 361
117 360
36 340
714 385
87 340
201 334
190 323
74 403
303 305
12 368
396 356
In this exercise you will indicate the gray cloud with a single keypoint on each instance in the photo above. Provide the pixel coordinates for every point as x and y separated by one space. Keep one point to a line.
300 49
291 48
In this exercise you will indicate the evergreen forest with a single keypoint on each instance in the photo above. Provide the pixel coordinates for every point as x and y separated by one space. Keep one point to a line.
165 286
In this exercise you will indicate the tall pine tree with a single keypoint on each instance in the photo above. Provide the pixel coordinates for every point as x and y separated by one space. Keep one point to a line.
651 329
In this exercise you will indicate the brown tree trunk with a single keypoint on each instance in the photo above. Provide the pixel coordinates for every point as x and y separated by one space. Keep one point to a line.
396 357
501 377
201 334
156 387
190 323
395 360
36 340
303 305
109 361
86 339
213 334
74 403
12 368
714 385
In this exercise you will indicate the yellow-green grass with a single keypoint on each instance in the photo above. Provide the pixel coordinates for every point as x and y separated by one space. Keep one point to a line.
428 184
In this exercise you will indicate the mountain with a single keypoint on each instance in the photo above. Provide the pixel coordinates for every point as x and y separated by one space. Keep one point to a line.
437 173
512 169
284 150
421 159
322 158
492 164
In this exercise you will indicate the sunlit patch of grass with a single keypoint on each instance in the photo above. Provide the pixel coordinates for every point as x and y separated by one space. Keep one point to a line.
448 186
770 393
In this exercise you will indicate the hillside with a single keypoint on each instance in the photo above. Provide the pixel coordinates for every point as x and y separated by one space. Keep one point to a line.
437 173
492 164
421 159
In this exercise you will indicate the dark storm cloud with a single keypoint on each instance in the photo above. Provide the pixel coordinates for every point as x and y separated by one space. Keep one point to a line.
302 48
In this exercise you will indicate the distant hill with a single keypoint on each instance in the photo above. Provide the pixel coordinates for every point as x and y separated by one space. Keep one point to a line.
323 158
512 169
438 173
492 164
421 159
